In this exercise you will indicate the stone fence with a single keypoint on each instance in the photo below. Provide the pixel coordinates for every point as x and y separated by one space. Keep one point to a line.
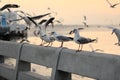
63 62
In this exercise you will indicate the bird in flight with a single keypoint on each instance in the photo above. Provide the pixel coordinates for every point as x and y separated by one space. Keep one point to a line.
112 5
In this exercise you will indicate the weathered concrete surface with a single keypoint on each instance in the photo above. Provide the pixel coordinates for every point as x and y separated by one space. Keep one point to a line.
45 56
7 71
31 76
63 62
9 49
95 65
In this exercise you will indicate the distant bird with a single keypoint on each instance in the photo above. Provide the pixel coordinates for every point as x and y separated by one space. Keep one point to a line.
117 33
79 39
112 5
9 6
85 18
61 38
85 24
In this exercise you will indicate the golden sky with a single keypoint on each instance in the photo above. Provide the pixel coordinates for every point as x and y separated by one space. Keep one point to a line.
72 11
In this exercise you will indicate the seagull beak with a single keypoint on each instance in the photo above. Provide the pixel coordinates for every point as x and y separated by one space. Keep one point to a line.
71 32
112 32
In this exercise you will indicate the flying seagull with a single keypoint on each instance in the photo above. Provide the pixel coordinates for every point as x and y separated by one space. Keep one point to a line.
85 18
112 5
79 39
9 6
85 24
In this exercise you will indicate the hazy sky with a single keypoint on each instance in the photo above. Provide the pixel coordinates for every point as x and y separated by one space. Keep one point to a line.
72 11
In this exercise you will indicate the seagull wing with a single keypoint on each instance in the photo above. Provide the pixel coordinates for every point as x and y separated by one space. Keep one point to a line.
109 3
49 21
64 38
116 4
84 40
15 20
9 6
52 38
40 16
42 21
32 20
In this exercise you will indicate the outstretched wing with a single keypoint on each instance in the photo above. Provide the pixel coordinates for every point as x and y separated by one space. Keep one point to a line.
116 4
40 16
109 3
32 20
9 6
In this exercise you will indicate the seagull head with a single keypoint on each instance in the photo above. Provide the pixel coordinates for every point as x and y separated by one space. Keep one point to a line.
75 30
113 31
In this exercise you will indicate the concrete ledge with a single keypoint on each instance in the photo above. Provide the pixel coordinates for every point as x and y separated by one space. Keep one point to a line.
7 71
63 62
94 65
31 76
9 49
45 56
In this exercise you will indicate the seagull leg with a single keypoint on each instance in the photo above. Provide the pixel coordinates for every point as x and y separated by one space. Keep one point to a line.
119 43
78 48
81 47
41 43
61 44
51 44
48 44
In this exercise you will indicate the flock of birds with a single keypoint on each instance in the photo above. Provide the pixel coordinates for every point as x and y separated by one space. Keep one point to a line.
7 33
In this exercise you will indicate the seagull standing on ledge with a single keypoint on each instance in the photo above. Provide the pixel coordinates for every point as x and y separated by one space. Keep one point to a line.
44 37
61 38
79 39
117 33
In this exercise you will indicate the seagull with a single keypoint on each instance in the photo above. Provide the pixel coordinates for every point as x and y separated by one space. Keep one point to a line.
117 33
79 39
85 24
44 37
112 5
61 38
85 18
7 6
